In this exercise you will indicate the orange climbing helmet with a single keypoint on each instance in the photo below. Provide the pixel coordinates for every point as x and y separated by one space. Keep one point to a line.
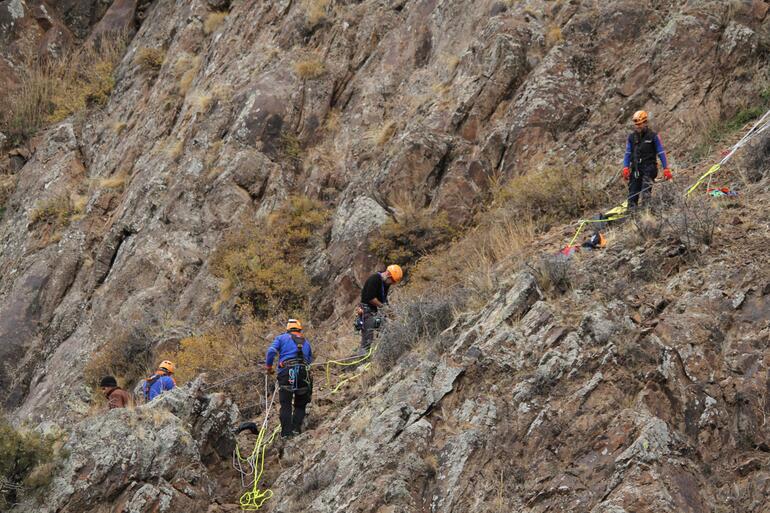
293 325
640 117
167 366
395 272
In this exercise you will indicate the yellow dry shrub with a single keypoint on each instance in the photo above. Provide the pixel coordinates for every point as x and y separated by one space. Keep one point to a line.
309 68
127 355
213 21
113 182
56 211
525 206
150 60
315 11
412 236
186 68
261 264
49 91
379 136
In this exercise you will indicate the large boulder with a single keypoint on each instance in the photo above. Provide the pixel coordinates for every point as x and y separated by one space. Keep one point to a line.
149 459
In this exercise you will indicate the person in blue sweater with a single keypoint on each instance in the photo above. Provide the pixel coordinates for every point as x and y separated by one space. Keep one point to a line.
161 381
294 356
640 163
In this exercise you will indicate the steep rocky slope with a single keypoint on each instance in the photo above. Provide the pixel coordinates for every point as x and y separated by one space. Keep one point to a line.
615 395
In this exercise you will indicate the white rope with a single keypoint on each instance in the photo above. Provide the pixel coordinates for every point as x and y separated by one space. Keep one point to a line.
251 460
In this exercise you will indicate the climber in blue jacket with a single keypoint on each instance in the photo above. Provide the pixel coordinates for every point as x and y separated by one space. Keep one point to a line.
294 358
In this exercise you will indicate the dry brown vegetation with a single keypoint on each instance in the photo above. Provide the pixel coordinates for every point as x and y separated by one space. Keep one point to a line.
309 68
57 212
263 282
52 90
185 68
127 355
411 234
150 60
524 207
315 11
213 21
117 181
379 136
260 264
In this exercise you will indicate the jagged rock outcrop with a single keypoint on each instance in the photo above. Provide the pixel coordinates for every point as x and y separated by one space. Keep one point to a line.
642 388
150 459
518 408
361 104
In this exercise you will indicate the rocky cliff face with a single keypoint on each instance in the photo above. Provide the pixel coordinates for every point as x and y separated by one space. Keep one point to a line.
593 402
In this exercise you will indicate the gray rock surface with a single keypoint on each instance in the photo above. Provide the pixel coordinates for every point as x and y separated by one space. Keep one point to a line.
150 459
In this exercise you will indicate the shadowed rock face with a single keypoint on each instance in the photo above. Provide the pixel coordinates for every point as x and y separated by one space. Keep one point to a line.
420 102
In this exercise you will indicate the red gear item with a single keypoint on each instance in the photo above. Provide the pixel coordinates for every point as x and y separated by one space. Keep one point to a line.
269 369
626 174
667 174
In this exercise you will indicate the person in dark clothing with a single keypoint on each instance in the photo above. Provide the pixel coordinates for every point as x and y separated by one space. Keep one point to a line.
294 356
374 295
640 163
116 396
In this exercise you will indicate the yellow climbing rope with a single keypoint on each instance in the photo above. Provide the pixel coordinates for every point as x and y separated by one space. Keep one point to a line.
703 177
255 498
614 214
347 362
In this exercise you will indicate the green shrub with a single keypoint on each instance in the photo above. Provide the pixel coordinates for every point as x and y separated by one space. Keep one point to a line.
22 454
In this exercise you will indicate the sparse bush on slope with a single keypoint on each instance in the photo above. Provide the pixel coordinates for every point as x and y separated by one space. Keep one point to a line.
25 462
52 90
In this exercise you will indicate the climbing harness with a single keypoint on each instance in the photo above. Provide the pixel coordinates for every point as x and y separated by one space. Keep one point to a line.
252 467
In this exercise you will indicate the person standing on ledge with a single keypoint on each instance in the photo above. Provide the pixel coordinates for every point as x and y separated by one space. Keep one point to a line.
640 163
374 294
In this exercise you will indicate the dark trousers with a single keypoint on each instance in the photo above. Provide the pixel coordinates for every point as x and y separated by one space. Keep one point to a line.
292 418
367 331
640 184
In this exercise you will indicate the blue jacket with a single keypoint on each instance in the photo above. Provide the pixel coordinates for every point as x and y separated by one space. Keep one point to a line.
159 385
286 349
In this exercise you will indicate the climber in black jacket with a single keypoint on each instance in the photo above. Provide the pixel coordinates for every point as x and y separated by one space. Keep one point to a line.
640 165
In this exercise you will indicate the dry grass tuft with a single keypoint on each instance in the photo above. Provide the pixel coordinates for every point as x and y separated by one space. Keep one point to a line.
49 91
117 181
186 68
174 148
315 11
150 60
381 135
118 127
553 36
202 102
310 68
213 21
57 212
525 206
7 186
